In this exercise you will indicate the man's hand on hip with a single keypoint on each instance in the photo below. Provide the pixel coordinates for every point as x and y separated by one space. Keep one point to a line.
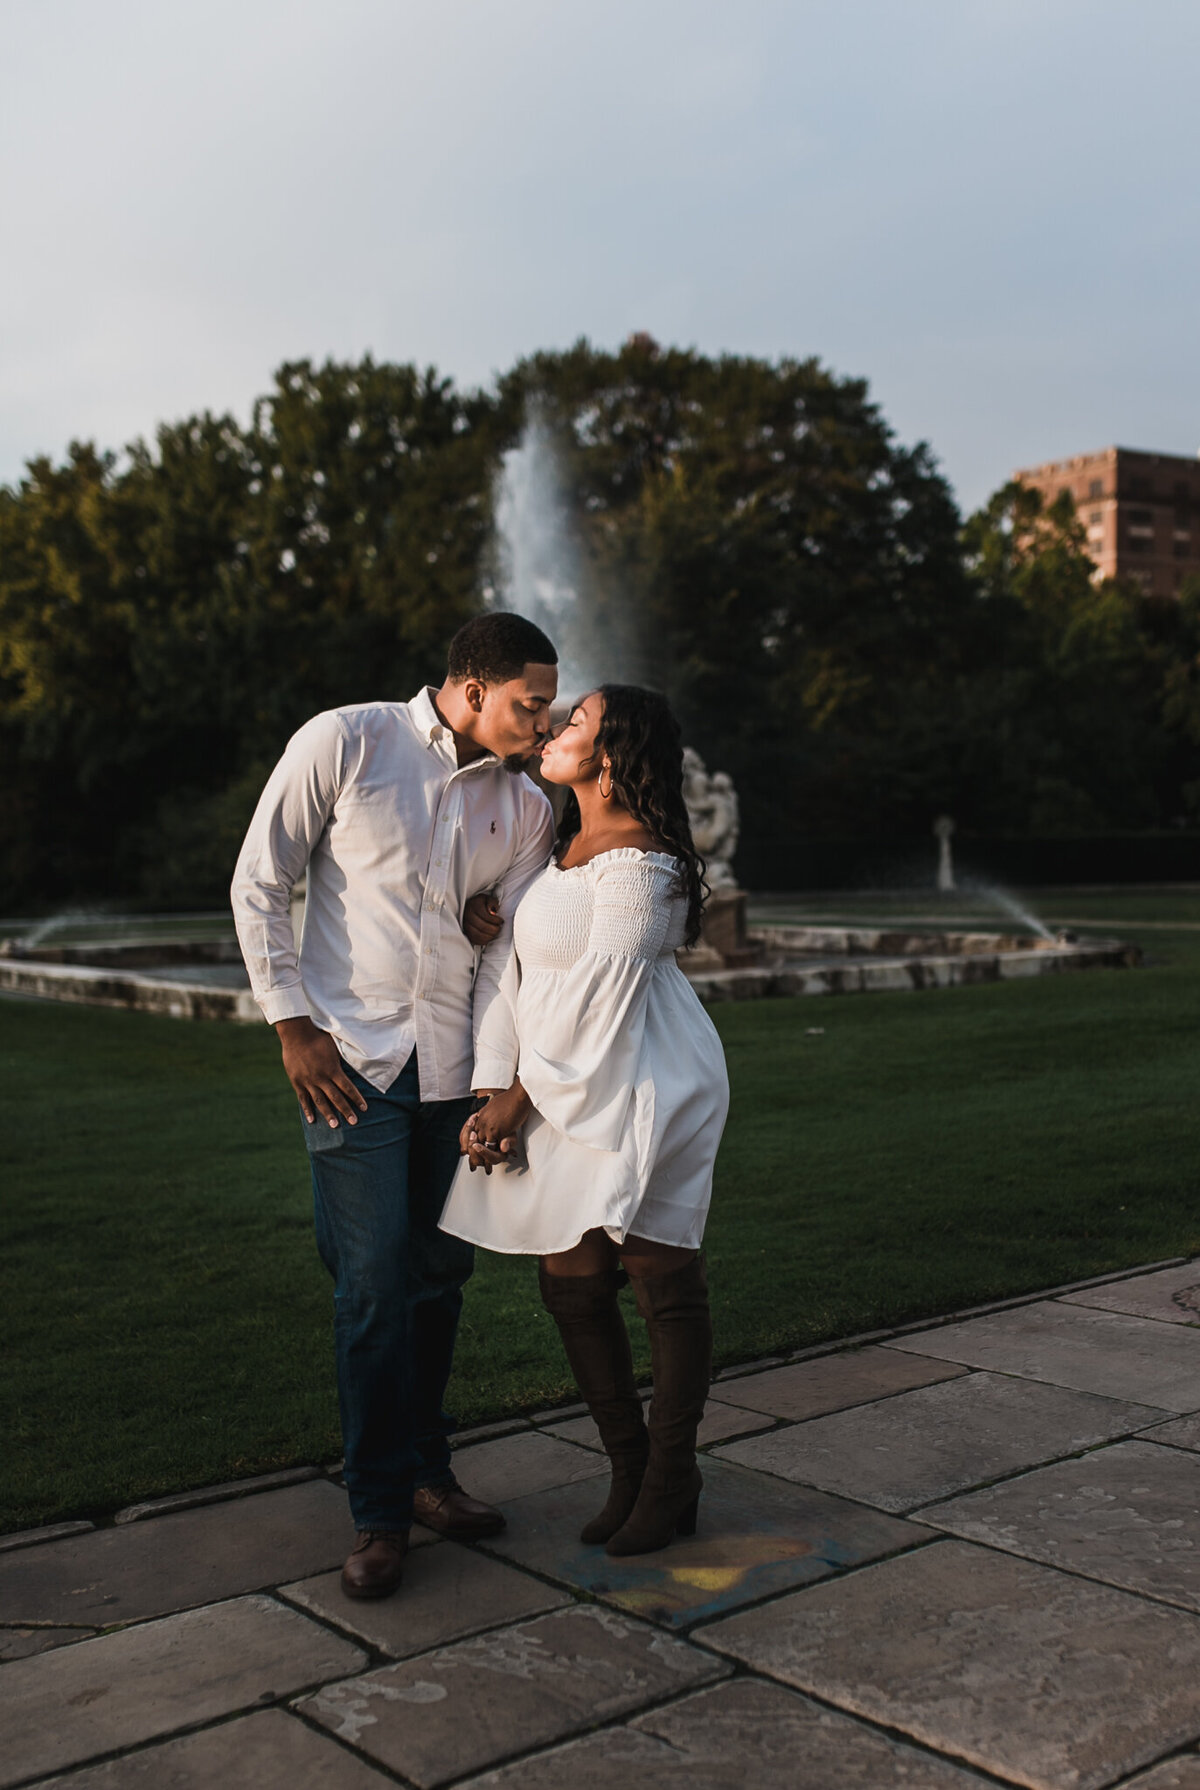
317 1073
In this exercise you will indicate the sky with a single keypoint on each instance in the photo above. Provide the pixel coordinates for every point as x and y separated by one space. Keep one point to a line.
986 208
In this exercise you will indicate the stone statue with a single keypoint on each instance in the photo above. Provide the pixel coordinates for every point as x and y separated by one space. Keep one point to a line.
712 807
943 829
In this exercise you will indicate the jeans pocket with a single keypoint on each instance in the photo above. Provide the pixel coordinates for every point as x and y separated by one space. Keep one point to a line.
321 1135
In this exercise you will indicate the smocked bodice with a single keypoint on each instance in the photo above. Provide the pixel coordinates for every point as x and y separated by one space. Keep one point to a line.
625 903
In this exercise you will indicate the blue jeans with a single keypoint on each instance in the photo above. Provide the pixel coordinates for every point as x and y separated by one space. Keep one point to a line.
378 1191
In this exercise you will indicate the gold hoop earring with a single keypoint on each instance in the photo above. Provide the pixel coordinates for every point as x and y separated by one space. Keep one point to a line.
605 794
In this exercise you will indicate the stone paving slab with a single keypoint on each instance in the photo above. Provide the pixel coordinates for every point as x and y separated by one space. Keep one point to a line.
193 1557
270 1750
833 1382
215 1494
1182 1773
68 1706
479 1702
33 1538
448 1592
561 1414
1129 1515
23 1643
736 1734
1044 1679
742 1370
924 1445
487 1432
531 1461
1178 1432
1072 1345
1172 1295
720 1422
755 1536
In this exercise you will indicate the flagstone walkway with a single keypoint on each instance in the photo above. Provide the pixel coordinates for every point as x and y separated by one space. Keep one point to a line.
953 1555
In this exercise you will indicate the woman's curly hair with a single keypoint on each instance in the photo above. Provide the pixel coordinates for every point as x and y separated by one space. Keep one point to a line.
641 737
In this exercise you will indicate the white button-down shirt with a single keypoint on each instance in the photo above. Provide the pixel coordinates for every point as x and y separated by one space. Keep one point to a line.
396 837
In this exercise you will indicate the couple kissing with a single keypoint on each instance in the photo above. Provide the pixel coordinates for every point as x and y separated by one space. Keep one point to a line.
492 1044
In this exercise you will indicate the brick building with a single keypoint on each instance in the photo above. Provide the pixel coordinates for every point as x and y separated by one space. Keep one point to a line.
1141 512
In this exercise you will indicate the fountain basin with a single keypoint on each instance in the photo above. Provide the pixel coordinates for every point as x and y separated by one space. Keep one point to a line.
807 960
204 978
184 987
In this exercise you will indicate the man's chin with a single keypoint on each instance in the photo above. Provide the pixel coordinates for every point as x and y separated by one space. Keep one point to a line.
520 761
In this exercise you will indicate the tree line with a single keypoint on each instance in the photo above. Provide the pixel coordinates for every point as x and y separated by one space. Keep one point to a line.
749 535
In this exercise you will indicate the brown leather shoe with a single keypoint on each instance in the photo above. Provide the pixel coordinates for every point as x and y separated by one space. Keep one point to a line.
448 1509
376 1564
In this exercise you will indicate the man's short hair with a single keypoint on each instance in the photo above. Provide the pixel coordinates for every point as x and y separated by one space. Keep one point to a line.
496 647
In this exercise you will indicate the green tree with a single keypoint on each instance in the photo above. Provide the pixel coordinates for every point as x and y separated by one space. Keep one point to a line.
750 537
1065 724
168 621
755 540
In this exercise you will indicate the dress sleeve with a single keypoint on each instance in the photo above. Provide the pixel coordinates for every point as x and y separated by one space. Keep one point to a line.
579 1063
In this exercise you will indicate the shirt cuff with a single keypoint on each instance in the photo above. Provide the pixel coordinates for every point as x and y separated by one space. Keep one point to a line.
283 1003
492 1071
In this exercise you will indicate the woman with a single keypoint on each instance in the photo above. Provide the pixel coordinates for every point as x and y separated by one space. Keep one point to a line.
619 1094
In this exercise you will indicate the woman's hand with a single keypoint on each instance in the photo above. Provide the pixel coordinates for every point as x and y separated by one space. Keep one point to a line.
491 1134
470 1144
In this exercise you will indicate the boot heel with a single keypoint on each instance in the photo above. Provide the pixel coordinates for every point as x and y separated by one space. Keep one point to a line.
686 1522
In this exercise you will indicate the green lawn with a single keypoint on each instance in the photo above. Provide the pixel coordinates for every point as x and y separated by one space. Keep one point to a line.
165 1321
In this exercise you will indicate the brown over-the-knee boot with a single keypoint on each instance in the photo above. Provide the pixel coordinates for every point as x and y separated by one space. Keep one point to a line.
584 1306
675 1307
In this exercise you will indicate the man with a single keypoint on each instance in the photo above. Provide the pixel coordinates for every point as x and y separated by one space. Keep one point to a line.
400 812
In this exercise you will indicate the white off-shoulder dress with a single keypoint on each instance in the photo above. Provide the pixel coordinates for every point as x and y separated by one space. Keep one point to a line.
621 1062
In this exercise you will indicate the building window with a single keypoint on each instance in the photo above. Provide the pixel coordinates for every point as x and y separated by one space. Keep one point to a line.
1138 543
1182 549
1096 488
1141 518
1096 518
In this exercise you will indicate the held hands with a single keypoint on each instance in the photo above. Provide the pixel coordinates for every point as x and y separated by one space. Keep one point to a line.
491 1134
481 919
316 1071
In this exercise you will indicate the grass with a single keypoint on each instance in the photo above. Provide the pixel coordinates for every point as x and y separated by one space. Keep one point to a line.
166 1323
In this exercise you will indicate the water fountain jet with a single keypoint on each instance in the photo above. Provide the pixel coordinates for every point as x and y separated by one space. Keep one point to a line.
538 566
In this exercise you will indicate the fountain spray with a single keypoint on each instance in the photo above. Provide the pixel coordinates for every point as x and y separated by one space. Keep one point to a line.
538 560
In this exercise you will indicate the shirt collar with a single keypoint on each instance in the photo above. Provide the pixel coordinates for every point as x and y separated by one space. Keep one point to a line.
435 733
425 717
